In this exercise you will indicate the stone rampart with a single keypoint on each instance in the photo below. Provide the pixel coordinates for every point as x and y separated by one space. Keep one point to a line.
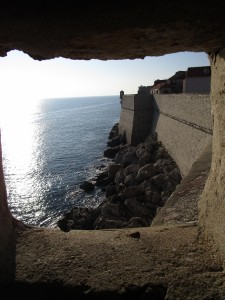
135 117
183 123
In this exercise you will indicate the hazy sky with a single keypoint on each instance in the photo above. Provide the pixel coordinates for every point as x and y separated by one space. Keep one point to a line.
25 79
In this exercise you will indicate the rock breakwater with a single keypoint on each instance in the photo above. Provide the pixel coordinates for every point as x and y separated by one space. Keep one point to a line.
136 183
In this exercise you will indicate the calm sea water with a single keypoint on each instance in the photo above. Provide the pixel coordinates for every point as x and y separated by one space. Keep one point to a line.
49 149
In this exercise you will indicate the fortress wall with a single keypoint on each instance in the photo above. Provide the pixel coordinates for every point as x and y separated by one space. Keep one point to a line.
135 117
183 142
194 108
183 123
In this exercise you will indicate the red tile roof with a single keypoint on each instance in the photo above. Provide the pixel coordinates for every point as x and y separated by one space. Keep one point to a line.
159 86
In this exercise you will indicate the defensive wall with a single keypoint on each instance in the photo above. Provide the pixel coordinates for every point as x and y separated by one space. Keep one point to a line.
135 117
183 123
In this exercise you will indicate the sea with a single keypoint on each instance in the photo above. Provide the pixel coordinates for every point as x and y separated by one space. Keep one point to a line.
49 149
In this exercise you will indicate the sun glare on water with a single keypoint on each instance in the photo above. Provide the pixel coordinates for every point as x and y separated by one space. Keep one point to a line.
19 146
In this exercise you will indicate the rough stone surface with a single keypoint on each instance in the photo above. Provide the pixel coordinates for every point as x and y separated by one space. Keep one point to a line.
168 262
110 29
212 205
182 206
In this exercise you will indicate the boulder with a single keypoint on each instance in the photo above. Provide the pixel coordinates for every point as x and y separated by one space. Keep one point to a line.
145 172
135 208
119 178
112 211
132 191
113 169
129 180
87 186
102 223
131 169
138 222
146 158
158 181
111 152
140 150
110 190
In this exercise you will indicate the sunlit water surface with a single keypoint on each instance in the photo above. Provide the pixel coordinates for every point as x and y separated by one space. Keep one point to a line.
49 148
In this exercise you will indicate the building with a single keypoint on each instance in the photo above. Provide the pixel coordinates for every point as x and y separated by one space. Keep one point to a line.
157 88
194 80
167 86
197 80
176 81
144 89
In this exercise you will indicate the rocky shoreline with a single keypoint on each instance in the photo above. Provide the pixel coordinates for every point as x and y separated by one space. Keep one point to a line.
136 183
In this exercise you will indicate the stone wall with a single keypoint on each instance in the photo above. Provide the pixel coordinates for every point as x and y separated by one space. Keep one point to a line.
184 125
197 85
135 117
212 204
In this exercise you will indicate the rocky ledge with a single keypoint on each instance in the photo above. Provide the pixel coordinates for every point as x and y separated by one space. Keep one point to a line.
137 183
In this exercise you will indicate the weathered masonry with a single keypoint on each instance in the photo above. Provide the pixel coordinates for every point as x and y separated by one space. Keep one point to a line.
183 123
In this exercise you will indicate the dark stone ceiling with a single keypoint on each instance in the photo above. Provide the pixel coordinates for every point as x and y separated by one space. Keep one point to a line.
110 29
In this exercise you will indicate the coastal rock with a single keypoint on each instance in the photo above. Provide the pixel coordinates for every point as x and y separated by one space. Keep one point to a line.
112 211
131 169
135 222
129 180
149 196
136 183
114 131
110 190
102 223
127 156
87 186
113 169
131 192
119 178
145 172
111 152
140 150
146 158
115 141
137 209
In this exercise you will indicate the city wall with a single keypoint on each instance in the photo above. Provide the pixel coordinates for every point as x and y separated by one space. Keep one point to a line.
135 118
183 123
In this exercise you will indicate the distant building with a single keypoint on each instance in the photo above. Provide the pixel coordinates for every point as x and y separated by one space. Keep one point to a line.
194 80
157 88
176 81
197 80
144 89
161 88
